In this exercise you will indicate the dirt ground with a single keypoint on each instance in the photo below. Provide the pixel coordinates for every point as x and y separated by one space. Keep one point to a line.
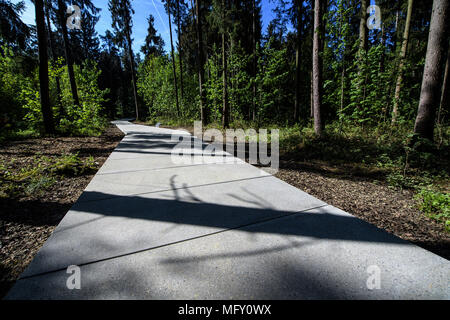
27 222
392 210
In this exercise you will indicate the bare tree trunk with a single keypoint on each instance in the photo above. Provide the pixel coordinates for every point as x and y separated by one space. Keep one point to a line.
47 113
312 96
445 89
362 27
54 57
173 60
432 76
225 120
317 68
383 44
69 61
180 51
254 58
203 110
401 65
133 73
298 54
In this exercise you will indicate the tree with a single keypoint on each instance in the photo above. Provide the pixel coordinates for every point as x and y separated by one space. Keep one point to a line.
225 108
47 8
362 27
317 67
122 23
432 76
168 5
198 25
180 47
445 89
154 44
67 51
402 58
298 56
43 68
12 29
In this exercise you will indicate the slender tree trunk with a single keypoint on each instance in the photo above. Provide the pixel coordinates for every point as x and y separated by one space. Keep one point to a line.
362 45
133 73
203 110
445 89
180 50
362 26
317 67
69 61
298 54
383 44
173 60
54 57
47 113
254 59
401 65
432 76
225 118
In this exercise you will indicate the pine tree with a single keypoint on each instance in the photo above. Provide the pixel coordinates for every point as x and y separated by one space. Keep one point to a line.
121 11
434 64
43 68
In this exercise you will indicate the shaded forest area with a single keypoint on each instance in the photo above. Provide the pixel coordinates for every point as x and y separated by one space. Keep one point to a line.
350 101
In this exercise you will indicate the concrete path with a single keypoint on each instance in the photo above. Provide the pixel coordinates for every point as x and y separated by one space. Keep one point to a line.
149 227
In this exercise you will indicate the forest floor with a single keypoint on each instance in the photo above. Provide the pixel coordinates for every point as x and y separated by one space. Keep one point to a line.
40 179
360 189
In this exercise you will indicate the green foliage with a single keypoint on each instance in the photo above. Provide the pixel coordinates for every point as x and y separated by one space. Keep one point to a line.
15 90
41 174
88 118
155 85
435 204
275 98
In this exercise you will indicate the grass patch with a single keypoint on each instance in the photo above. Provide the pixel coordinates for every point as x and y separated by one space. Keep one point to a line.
435 204
41 174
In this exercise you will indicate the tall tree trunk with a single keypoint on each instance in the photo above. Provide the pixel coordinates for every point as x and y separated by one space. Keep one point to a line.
225 118
362 46
54 57
432 76
133 72
401 65
47 113
69 61
383 44
298 54
173 60
254 59
362 27
203 110
180 51
311 96
445 89
317 67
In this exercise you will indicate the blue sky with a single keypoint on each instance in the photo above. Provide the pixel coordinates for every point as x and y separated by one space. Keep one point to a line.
143 8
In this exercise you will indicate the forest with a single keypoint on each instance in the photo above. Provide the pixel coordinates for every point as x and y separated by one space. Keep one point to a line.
355 92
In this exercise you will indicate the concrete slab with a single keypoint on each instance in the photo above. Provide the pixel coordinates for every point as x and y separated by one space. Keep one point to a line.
318 254
117 225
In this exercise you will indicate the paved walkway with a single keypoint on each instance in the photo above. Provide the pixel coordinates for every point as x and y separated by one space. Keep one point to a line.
148 227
